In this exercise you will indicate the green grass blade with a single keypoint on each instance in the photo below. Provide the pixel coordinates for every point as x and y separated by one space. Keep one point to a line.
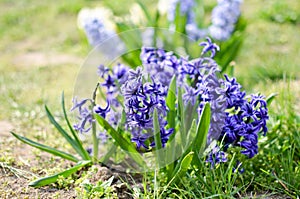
63 132
51 179
121 141
45 148
83 153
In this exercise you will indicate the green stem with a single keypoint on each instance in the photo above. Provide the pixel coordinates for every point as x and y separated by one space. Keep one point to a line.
95 143
94 129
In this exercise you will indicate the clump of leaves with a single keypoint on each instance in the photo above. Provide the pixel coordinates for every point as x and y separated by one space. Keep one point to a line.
100 189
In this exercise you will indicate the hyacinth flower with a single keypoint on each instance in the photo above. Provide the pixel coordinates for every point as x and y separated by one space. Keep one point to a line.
226 26
171 107
184 8
95 24
236 119
184 19
224 17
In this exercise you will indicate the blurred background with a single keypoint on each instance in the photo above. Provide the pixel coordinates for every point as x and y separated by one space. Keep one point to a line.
42 49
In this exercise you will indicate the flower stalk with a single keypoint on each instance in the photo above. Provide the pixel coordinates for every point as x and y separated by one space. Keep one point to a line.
94 128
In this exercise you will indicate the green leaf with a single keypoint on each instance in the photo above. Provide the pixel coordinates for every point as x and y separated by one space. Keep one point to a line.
83 153
184 166
51 179
231 47
202 130
171 103
270 98
45 148
121 124
109 154
190 113
156 127
229 52
180 20
108 182
63 132
182 118
192 132
120 140
158 145
132 37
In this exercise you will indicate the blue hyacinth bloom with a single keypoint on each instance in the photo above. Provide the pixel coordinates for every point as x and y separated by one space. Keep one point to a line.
224 16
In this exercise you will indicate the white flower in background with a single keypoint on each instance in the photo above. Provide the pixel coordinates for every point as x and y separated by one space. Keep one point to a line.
163 6
96 24
136 15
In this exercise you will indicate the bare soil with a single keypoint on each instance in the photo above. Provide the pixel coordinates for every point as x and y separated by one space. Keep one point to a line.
34 59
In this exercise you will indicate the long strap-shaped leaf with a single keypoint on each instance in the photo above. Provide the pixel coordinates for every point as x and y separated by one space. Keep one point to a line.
45 148
182 118
121 141
51 179
157 138
83 153
183 167
199 142
202 130
171 103
63 132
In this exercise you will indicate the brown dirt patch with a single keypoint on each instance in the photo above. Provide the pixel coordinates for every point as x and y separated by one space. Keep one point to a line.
16 187
5 128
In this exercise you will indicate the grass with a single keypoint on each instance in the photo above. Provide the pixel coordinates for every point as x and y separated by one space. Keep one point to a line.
268 62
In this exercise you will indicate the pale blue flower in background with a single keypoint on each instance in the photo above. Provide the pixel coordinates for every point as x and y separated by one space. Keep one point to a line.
96 25
224 17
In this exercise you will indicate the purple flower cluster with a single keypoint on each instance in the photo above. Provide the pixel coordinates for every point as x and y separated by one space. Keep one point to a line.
111 81
85 116
233 114
140 100
236 119
86 107
201 83
160 65
246 119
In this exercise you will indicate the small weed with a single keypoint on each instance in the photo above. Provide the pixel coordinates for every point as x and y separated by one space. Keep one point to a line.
100 189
